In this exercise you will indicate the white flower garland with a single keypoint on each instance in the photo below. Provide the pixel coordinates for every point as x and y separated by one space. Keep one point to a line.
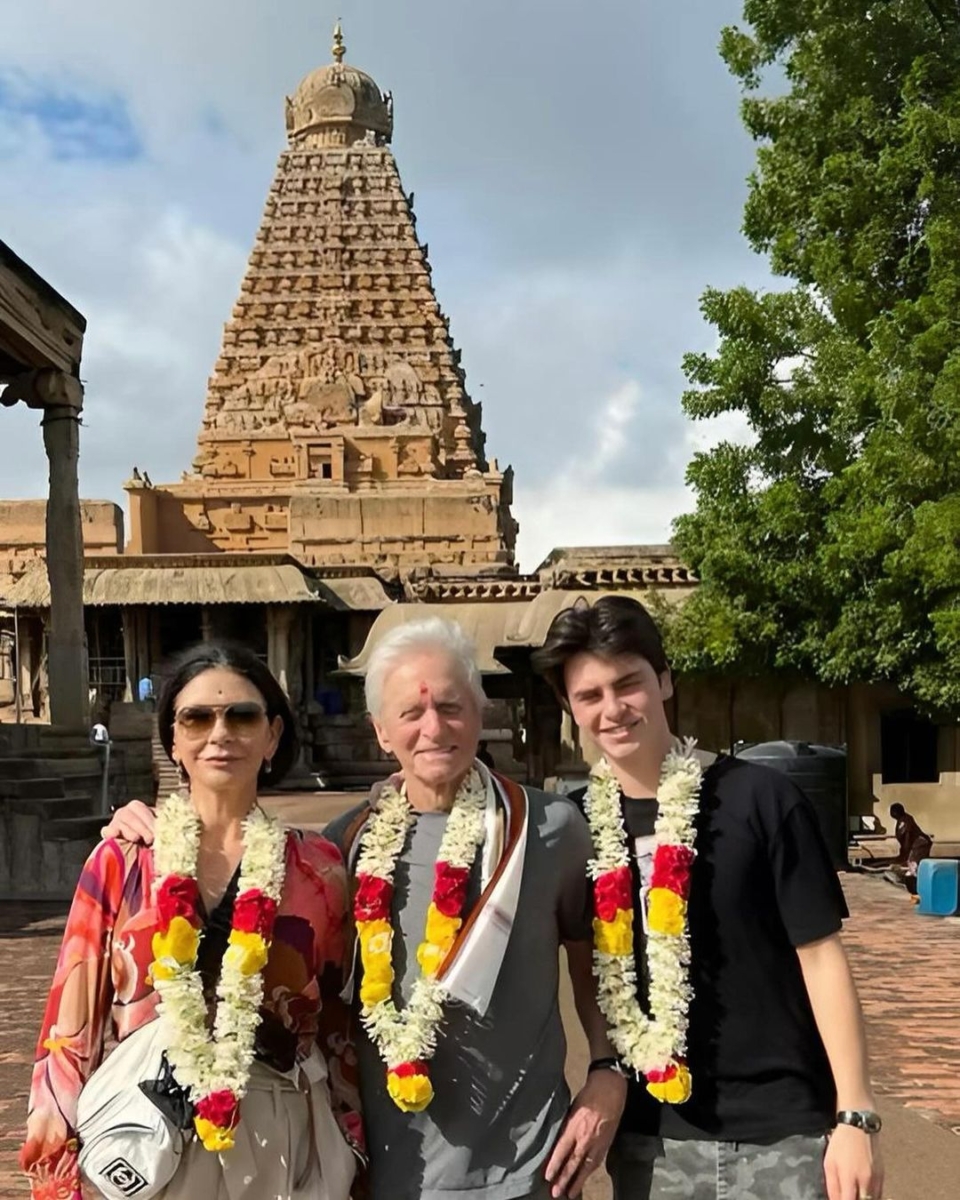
410 1034
646 1043
202 1062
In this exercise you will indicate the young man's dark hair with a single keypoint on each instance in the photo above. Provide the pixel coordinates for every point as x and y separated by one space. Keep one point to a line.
613 626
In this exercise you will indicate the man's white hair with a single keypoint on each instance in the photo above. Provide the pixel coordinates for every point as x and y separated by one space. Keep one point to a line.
429 634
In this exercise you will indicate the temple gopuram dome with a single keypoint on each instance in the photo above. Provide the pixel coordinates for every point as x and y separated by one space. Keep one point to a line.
338 105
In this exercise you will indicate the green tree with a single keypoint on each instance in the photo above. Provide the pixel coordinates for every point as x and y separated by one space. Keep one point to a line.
830 544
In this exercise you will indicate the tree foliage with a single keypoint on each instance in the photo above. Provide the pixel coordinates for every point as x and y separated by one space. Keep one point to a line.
830 544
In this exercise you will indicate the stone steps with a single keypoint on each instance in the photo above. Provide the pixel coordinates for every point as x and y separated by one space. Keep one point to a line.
20 767
43 846
51 793
31 789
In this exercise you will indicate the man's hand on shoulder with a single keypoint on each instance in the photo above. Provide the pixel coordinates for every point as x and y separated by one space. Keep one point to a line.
135 822
587 1133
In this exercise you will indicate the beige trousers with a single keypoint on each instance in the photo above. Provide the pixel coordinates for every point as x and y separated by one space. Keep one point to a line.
288 1145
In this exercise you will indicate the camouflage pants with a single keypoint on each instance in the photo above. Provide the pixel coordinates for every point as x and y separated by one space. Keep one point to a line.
646 1168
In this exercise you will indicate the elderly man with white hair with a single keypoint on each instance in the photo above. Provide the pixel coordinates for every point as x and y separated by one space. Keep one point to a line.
465 887
467 884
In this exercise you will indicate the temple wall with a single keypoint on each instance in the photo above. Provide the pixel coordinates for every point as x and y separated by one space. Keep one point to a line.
23 531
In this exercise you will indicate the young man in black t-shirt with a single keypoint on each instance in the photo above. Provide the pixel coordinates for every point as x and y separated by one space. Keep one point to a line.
781 1101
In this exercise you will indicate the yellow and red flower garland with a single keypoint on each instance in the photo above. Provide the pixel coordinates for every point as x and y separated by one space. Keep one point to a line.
406 1039
654 1045
214 1068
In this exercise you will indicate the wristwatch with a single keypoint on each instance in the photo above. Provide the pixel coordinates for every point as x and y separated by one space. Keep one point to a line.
609 1064
860 1118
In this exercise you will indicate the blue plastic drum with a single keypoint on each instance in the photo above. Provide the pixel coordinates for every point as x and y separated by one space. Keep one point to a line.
938 886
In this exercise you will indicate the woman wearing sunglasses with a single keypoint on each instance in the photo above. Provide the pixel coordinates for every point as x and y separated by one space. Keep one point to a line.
222 943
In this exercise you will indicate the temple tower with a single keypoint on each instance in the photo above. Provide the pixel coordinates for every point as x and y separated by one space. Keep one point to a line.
337 425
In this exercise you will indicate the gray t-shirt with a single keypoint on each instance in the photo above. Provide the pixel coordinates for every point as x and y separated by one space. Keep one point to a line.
500 1095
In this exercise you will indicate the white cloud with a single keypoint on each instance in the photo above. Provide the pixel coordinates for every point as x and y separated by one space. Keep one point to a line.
579 513
613 427
568 251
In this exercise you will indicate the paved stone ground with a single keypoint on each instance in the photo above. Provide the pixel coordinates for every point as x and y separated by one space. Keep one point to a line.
911 1012
907 968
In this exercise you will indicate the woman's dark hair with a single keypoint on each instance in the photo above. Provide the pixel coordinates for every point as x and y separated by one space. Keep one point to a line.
613 626
234 657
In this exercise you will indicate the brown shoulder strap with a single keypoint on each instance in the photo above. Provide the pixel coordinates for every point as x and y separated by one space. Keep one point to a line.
353 831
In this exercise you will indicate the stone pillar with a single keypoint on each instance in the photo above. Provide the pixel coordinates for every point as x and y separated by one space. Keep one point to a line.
279 620
66 647
859 714
129 619
142 626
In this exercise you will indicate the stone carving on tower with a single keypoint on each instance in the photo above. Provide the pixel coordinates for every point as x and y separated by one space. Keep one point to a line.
337 424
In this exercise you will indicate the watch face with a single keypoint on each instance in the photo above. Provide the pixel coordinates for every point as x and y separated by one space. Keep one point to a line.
871 1122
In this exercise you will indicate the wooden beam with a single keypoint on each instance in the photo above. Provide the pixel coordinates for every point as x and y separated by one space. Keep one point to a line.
38 328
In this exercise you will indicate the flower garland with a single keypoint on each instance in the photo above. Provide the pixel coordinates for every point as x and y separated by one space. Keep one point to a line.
214 1068
407 1038
654 1045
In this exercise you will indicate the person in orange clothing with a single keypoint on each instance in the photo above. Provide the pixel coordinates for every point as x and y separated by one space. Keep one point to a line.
225 890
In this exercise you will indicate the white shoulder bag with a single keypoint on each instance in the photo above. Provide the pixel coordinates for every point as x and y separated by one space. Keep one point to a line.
131 1117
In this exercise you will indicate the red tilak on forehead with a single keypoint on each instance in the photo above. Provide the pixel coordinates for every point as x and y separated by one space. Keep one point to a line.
424 692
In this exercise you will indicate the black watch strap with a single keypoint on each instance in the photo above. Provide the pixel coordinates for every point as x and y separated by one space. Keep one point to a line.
608 1064
860 1118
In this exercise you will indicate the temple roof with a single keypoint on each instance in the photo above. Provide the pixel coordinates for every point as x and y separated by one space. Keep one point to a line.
337 327
338 105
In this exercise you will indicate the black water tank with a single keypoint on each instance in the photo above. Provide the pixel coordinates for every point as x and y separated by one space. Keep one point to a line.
821 773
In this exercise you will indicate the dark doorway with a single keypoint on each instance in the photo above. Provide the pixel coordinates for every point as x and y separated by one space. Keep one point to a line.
908 747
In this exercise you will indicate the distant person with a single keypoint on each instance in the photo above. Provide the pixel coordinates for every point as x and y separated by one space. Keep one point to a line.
484 755
145 691
915 846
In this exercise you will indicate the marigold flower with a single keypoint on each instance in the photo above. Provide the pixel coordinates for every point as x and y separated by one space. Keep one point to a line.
666 912
179 942
410 1092
377 981
247 952
376 937
440 928
213 1137
676 1088
431 958
616 936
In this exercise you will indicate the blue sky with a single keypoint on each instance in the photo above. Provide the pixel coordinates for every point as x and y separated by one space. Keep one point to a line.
72 125
579 177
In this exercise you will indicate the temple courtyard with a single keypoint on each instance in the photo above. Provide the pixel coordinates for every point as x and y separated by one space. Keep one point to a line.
907 968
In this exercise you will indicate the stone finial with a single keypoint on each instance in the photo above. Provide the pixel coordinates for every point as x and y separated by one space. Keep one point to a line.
338 105
339 50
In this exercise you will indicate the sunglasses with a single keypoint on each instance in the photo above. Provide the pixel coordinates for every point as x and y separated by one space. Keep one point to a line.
241 719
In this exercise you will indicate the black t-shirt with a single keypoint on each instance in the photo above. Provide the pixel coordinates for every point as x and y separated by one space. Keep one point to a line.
762 884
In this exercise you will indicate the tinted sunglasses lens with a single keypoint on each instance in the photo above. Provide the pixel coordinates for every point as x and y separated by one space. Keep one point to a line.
243 718
196 721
